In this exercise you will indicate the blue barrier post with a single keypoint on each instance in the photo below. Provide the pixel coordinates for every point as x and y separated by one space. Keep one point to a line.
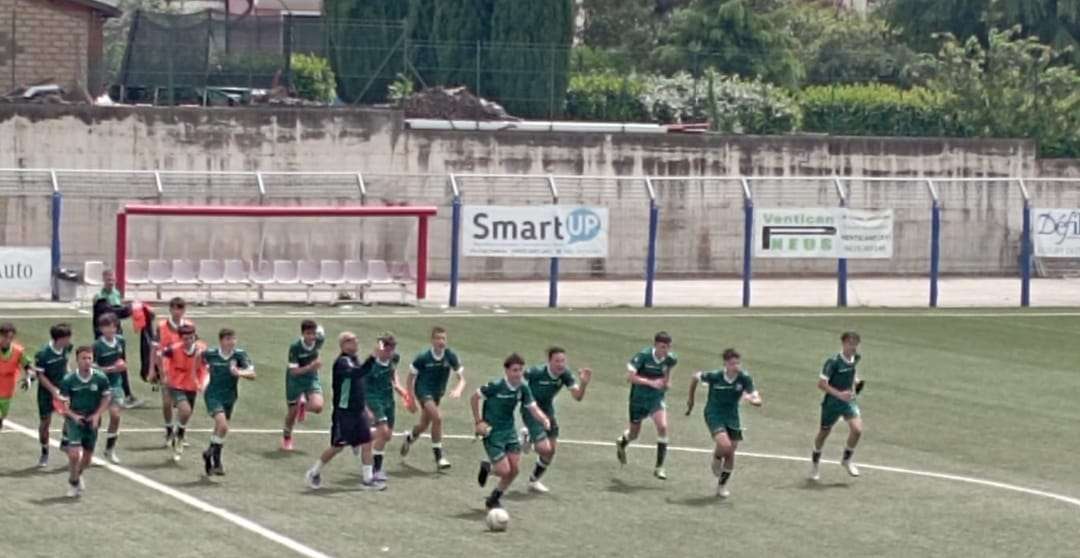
57 203
553 285
935 252
841 264
650 257
1025 258
748 250
455 250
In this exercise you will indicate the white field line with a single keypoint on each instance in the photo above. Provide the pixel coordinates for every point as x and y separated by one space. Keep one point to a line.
192 501
899 470
445 314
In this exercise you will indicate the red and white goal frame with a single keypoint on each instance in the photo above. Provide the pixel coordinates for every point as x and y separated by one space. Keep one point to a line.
421 213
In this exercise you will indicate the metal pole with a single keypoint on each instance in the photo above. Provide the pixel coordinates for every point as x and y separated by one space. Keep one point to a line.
748 246
455 250
650 255
553 272
1025 257
121 249
935 252
57 203
841 263
421 259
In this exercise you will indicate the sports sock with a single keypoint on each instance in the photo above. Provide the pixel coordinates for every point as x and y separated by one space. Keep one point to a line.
180 431
45 450
661 451
366 472
317 467
436 448
216 444
539 469
378 460
496 494
815 456
286 433
168 430
110 441
724 477
848 452
624 440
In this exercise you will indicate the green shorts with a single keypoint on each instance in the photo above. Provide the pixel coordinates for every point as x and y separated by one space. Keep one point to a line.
726 424
833 409
215 405
305 384
536 430
382 411
498 445
5 406
180 395
44 404
423 395
117 396
78 434
643 409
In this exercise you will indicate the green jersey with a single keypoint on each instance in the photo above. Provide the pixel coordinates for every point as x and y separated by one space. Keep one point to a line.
53 363
500 402
85 395
379 382
433 371
222 386
724 394
112 296
840 373
645 364
303 355
545 386
106 354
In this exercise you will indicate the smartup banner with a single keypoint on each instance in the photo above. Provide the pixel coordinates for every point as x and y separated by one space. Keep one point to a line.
25 272
832 232
535 231
1056 233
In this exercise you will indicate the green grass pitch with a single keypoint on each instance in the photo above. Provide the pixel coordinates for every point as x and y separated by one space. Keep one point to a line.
975 395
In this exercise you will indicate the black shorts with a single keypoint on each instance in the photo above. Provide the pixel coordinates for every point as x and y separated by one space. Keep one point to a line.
349 428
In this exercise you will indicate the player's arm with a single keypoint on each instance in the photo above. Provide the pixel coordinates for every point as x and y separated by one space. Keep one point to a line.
29 372
95 418
667 376
754 398
539 414
459 388
577 391
633 377
482 427
694 381
823 383
45 382
242 368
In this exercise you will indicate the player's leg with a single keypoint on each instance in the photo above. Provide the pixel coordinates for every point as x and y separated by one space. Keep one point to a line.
5 408
435 414
660 420
507 470
382 437
855 430
421 426
44 423
545 455
74 453
113 432
313 477
315 401
829 416
184 401
167 404
637 414
723 463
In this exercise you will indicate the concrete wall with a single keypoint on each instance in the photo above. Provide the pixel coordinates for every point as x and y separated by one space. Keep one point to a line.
701 230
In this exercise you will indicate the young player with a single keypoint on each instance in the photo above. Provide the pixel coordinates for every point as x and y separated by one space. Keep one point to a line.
841 385
380 385
227 365
349 421
428 375
86 393
649 373
109 301
496 425
187 376
168 334
727 388
545 382
50 364
303 392
110 357
13 360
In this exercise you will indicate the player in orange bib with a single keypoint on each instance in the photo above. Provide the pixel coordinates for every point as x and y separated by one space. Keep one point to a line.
188 375
13 359
168 334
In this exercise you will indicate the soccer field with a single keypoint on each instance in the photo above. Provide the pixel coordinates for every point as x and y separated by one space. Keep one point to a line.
970 447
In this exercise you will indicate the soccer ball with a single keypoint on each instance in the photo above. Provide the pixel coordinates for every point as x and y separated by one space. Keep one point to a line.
497 519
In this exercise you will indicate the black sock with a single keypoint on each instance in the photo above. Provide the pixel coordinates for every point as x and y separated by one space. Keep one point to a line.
724 476
661 453
539 470
126 384
623 441
215 454
815 456
378 462
74 482
496 494
1 423
847 454
180 430
485 471
45 451
168 431
437 452
110 442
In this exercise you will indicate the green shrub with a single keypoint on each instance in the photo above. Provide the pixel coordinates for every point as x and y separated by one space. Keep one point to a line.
878 110
605 97
732 105
313 78
245 70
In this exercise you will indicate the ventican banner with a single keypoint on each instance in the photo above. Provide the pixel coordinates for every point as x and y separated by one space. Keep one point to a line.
831 232
25 272
535 231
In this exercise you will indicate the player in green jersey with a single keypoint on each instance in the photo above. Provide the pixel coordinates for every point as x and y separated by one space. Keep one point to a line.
545 382
50 366
303 392
649 373
227 364
495 423
110 356
380 383
428 375
841 385
86 394
727 387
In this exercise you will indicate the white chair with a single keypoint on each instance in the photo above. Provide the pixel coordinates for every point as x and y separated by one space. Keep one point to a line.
236 274
331 274
355 275
262 275
399 269
285 272
379 276
159 272
310 275
211 272
136 275
91 278
185 274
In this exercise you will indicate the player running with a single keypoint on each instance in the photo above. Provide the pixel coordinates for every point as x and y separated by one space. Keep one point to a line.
380 384
841 385
227 364
649 373
13 361
349 420
428 375
109 301
50 365
187 376
110 357
496 425
727 387
86 394
303 392
167 335
545 382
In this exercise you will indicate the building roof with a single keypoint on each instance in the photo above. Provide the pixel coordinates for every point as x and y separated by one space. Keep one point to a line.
108 8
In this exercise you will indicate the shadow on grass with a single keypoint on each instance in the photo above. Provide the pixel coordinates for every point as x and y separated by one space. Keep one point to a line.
278 454
407 471
202 481
471 515
818 485
154 466
54 501
697 501
619 486
145 449
32 472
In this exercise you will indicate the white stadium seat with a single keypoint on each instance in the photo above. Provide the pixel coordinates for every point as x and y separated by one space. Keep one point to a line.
355 275
236 274
379 276
136 275
184 273
285 272
159 272
211 272
310 275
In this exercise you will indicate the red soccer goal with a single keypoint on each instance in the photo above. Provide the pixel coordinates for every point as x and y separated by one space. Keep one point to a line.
422 214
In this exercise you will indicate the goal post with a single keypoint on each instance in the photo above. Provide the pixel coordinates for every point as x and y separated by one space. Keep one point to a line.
421 213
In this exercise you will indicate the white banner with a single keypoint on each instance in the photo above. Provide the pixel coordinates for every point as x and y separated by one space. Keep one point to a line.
535 231
831 232
25 272
1056 233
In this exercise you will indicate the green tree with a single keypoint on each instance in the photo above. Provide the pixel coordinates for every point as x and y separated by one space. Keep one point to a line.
366 39
529 62
458 28
423 56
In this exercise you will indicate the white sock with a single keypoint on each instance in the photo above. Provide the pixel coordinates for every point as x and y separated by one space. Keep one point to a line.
317 467
366 472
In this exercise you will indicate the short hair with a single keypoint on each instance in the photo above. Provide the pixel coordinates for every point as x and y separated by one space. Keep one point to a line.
437 330
850 336
730 354
513 359
186 329
552 351
83 349
106 271
177 302
387 339
7 328
59 331
308 325
345 337
106 319
225 332
662 337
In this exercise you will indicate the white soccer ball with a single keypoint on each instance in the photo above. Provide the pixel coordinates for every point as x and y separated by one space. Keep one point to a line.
497 519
